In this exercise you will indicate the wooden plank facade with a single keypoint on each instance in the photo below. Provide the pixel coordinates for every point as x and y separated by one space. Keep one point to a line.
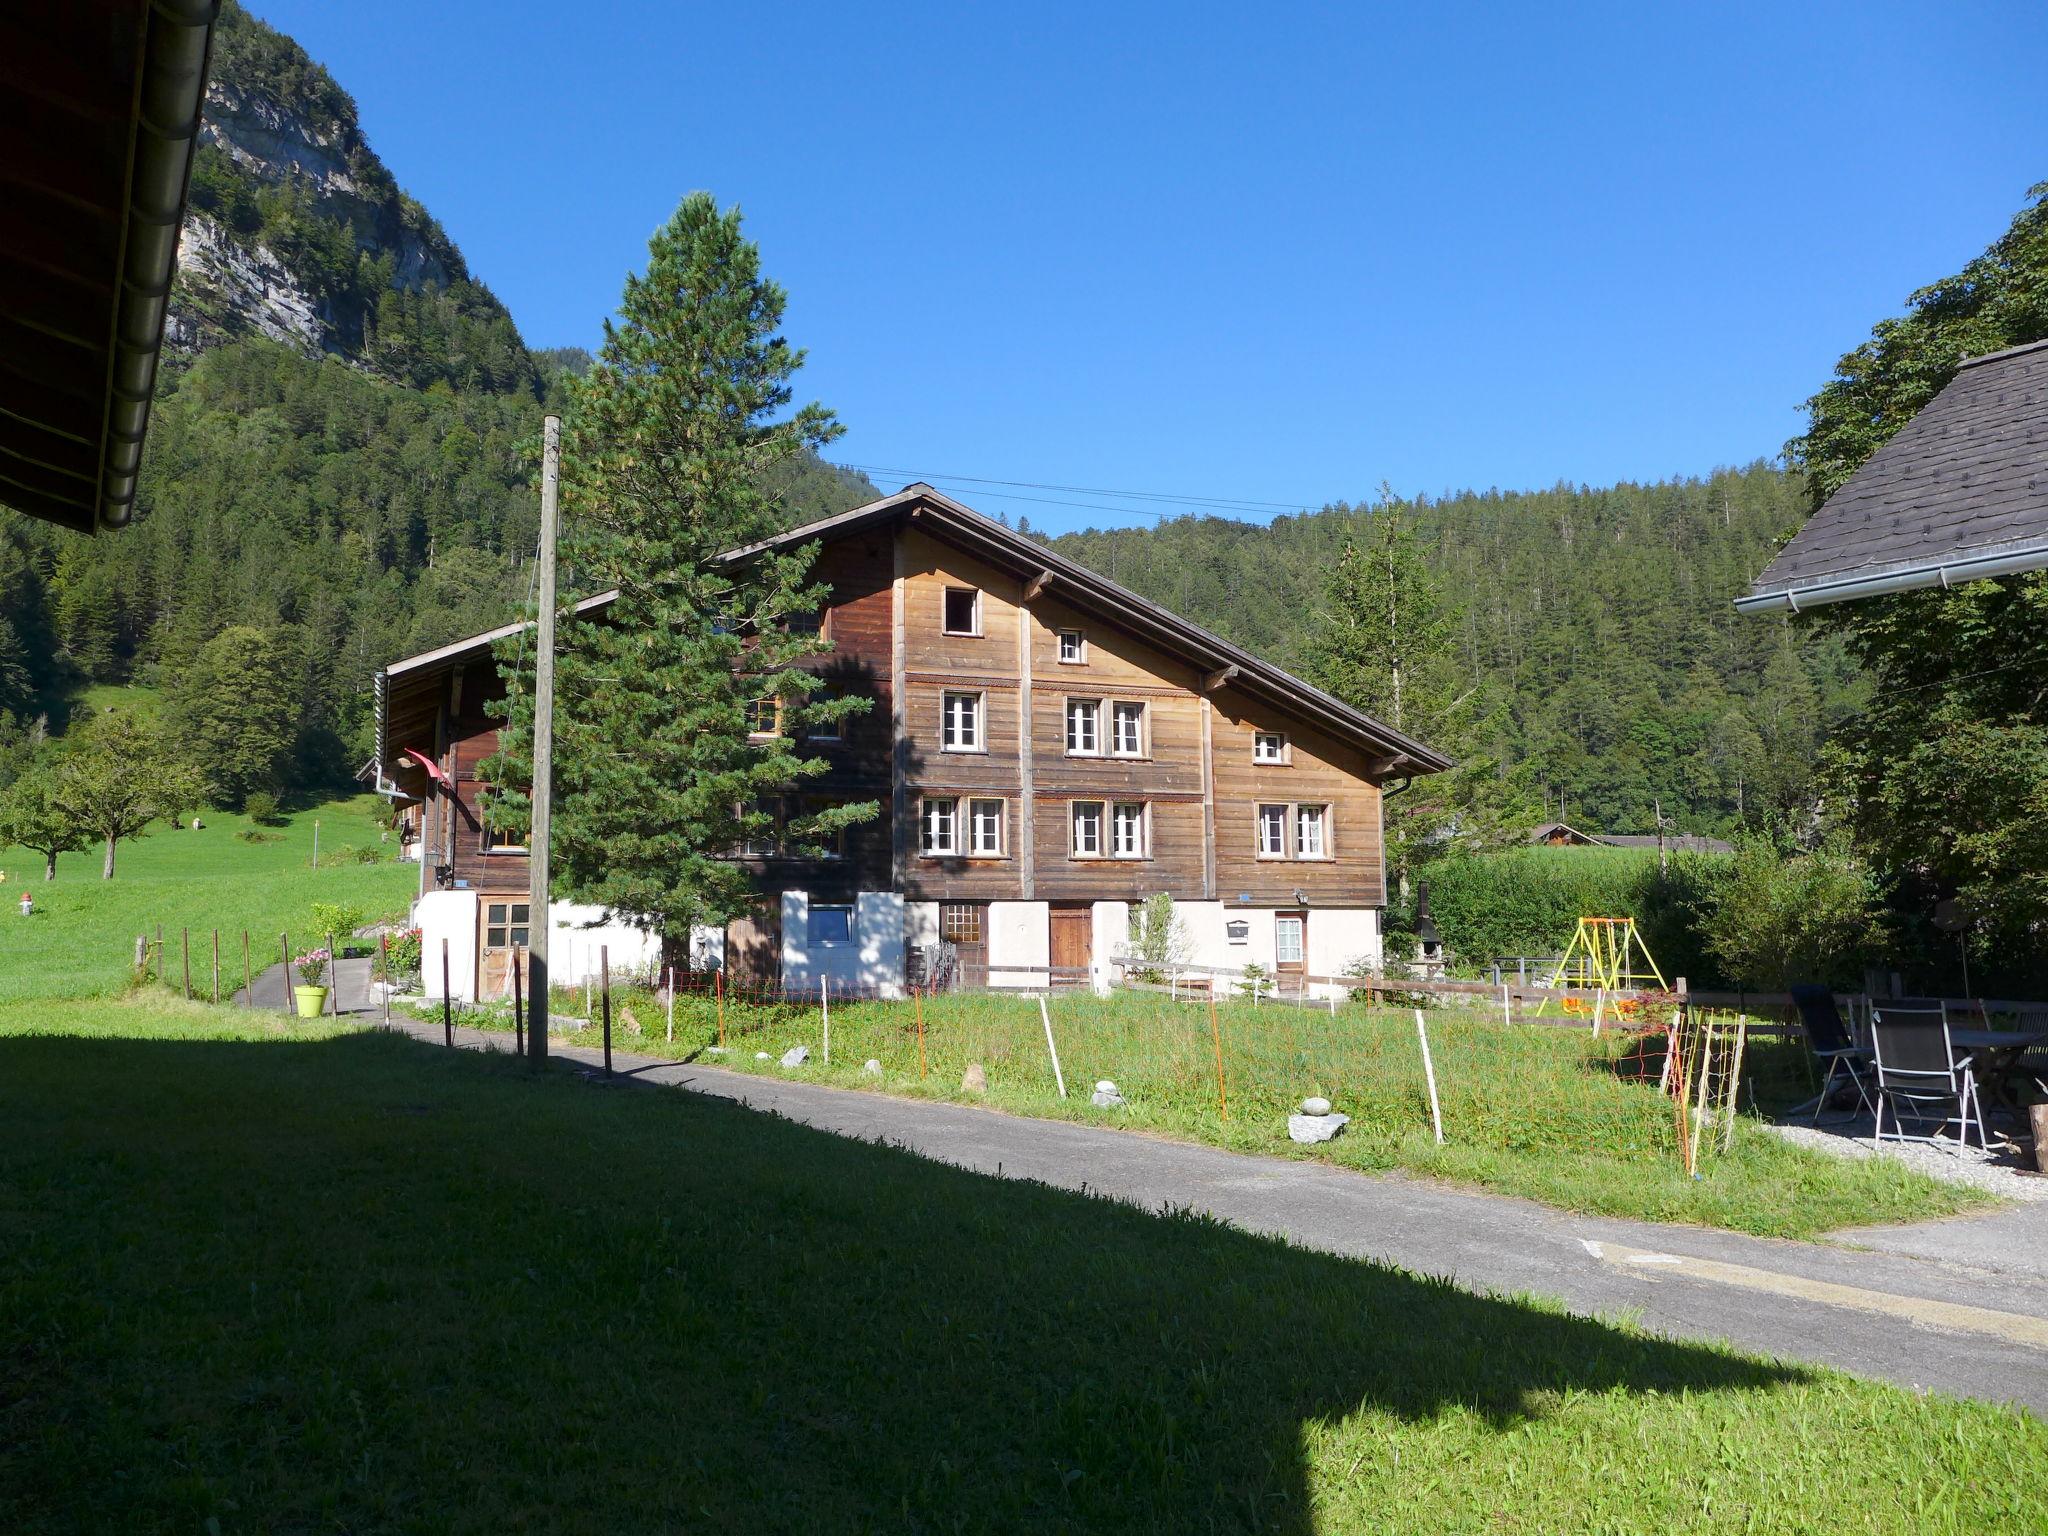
1036 736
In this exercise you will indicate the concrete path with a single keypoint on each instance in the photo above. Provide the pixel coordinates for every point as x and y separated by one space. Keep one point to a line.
353 991
1974 1326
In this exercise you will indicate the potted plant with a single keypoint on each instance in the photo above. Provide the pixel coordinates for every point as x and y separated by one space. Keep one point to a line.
310 993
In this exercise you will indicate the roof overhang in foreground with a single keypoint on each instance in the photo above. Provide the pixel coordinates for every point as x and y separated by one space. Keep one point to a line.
403 686
99 117
1959 494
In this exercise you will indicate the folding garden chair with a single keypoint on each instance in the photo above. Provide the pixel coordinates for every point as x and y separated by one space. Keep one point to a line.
1828 1037
1920 1077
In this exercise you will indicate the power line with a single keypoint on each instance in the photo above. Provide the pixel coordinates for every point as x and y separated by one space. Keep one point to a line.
1233 503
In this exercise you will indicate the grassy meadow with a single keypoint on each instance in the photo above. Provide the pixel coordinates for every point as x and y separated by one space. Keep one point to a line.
258 1276
80 941
1551 1114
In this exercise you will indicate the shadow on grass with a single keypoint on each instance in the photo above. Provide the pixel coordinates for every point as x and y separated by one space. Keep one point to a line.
363 1284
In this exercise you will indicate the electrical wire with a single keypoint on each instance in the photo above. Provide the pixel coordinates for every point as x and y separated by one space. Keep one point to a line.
1175 498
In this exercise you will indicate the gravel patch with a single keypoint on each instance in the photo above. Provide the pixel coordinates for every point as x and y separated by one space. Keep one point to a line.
1996 1172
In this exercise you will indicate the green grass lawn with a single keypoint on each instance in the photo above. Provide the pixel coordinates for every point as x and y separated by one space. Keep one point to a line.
258 1276
81 939
1547 1113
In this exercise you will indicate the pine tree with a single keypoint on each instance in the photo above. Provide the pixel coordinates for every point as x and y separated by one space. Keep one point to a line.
681 711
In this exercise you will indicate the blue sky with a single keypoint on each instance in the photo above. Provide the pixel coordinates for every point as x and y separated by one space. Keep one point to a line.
1260 254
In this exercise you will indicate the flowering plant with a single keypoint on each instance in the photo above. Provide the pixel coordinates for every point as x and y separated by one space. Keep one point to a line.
405 952
312 966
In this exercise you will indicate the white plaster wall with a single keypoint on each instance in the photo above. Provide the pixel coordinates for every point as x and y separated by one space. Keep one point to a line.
707 947
449 915
920 923
871 961
1019 933
1338 938
1111 936
579 935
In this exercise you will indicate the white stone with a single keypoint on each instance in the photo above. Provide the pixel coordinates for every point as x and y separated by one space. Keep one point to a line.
762 1056
1312 1128
974 1079
872 1067
1315 1106
796 1055
1106 1096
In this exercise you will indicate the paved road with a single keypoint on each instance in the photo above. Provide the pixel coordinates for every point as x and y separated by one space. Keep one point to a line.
352 993
1976 1328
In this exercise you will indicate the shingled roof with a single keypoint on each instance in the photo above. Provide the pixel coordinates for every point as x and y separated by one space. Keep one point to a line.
1959 494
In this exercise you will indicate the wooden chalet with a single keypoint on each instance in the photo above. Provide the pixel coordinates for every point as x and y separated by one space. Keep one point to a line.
1048 749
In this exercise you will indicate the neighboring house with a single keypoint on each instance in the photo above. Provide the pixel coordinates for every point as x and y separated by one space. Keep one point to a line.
1557 834
1047 749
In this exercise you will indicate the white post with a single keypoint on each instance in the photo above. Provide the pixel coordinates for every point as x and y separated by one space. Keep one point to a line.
1505 1016
825 1011
671 1004
1058 1076
1333 1002
1599 1007
1436 1115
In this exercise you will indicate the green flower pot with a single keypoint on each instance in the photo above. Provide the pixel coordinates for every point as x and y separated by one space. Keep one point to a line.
312 1001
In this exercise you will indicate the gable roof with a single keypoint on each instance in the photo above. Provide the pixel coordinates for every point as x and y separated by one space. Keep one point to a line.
1959 493
99 112
1119 605
1075 583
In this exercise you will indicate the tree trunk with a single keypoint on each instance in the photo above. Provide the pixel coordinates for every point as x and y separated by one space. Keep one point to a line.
107 868
49 866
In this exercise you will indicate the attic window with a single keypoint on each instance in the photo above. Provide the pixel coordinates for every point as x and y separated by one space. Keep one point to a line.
963 611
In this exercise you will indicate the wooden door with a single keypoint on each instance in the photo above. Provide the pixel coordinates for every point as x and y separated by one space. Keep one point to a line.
964 925
753 950
1290 949
502 932
1073 941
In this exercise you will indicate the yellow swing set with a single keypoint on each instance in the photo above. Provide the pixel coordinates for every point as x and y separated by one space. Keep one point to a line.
1607 955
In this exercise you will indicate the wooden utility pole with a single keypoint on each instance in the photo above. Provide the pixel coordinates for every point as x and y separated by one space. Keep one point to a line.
540 922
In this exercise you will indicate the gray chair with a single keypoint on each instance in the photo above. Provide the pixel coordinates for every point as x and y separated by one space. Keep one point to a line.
1920 1077
1828 1037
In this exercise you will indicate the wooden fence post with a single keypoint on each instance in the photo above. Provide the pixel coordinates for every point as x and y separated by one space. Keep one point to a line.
333 976
141 957
917 998
718 982
518 1010
284 948
216 967
825 1014
604 966
248 980
671 1002
185 948
447 1002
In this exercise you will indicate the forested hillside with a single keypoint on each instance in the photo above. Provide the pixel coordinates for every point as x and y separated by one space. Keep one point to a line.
340 456
1593 628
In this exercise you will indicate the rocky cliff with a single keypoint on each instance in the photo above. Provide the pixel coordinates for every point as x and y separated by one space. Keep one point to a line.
296 231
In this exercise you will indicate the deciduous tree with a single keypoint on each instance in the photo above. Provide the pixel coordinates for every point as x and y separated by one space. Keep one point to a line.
117 778
33 815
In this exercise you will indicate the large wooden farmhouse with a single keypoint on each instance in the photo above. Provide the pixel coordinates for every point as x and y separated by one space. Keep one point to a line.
1047 747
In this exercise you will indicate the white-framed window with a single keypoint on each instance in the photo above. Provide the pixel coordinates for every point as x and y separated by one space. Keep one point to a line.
1288 947
961 727
1087 823
985 824
831 926
939 825
1073 647
1127 827
1272 831
1127 729
1269 747
963 611
1311 831
1084 727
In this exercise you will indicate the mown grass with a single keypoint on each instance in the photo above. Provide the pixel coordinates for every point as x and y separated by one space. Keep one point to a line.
1551 1114
81 939
281 1278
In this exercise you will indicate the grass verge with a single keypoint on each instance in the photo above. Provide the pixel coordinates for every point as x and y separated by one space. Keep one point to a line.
1551 1114
283 1278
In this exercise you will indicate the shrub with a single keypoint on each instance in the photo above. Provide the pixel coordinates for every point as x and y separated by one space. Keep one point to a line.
339 918
261 805
258 835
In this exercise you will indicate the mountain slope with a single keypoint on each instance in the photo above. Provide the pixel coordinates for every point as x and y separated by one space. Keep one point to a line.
296 231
